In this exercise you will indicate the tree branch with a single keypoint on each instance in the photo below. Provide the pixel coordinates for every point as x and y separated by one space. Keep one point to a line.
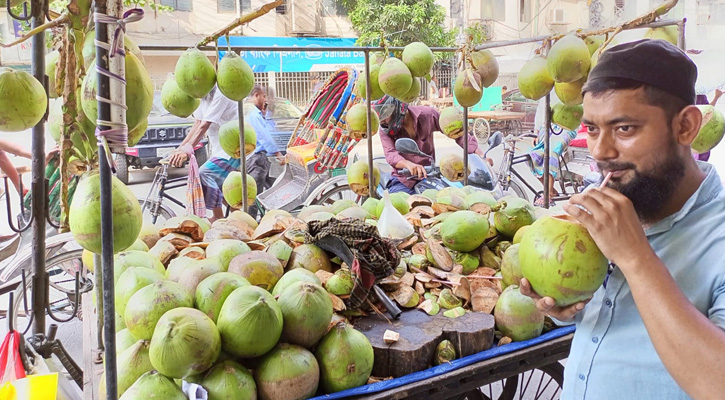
48 25
243 20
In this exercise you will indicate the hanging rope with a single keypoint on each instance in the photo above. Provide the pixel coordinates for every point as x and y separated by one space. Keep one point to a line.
114 139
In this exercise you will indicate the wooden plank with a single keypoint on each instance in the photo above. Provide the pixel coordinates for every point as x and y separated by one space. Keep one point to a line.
497 115
91 371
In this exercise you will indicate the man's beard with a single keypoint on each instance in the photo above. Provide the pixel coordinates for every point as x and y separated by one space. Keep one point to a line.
650 191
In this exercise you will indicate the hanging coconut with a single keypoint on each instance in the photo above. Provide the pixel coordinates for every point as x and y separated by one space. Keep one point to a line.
85 214
451 122
195 74
232 189
375 91
413 92
357 121
22 100
234 77
51 64
668 33
468 89
229 139
486 65
250 322
288 372
395 78
185 343
176 101
569 117
570 94
418 58
568 59
346 358
534 79
561 260
89 49
358 177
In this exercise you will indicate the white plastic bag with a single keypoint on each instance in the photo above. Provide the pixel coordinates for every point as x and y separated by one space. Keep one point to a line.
392 224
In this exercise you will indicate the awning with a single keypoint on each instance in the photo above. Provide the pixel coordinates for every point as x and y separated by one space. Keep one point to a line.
296 61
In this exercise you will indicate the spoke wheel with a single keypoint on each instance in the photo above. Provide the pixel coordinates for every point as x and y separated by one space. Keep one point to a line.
164 213
481 129
338 192
541 383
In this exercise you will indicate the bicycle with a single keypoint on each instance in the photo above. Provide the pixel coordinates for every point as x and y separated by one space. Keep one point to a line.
158 192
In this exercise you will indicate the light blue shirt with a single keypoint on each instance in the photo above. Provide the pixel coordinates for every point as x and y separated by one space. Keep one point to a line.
612 356
263 127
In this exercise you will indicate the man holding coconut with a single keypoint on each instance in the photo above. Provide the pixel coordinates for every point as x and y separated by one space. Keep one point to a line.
656 328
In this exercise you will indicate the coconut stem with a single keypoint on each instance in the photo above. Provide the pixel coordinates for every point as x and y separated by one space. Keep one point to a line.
41 29
241 21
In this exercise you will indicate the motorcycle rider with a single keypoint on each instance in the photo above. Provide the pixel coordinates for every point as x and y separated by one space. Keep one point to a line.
400 120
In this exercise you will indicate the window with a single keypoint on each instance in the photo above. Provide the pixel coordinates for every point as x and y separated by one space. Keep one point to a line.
493 9
334 8
525 10
178 5
245 5
224 6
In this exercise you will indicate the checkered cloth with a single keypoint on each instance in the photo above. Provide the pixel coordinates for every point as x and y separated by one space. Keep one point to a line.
194 194
375 258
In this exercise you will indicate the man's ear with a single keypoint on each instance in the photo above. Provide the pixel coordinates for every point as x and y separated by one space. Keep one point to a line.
686 125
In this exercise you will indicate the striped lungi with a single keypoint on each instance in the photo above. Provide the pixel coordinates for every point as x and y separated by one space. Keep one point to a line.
212 175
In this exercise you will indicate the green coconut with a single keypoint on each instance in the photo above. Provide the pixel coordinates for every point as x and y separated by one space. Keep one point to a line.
469 261
229 380
486 65
148 304
481 197
185 343
412 94
124 340
594 42
309 210
89 48
561 260
178 267
375 91
229 139
139 93
310 257
288 372
345 357
214 290
569 59
24 101
668 33
371 206
199 270
281 251
511 266
341 283
517 213
395 78
357 121
432 194
293 276
341 205
176 101
131 364
534 79
399 202
195 73
570 93
418 58
135 135
451 122
240 215
131 281
259 268
464 231
154 385
250 322
232 189
135 258
307 311
467 93
569 117
711 130
226 250
356 212
516 315
234 77
51 62
85 214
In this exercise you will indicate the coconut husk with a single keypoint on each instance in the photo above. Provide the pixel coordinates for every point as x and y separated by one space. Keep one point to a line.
271 226
414 219
485 271
423 277
408 243
239 224
323 275
441 257
404 295
457 269
432 285
436 291
202 245
504 340
186 227
337 304
194 252
463 289
418 200
441 208
484 299
439 274
489 259
390 337
419 288
428 222
408 279
256 245
390 284
424 211
418 248
481 208
427 306
164 251
225 232
180 241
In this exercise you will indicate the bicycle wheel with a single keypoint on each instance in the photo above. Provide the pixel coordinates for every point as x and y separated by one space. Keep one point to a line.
156 213
517 189
338 192
62 299
540 383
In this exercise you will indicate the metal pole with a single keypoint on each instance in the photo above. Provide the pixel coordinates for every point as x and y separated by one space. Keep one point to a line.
547 195
40 276
465 146
681 34
369 137
104 114
242 155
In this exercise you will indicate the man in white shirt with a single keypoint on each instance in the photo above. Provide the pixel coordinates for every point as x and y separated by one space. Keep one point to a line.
214 111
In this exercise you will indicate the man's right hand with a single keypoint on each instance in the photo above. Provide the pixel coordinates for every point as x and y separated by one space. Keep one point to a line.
178 158
416 170
547 305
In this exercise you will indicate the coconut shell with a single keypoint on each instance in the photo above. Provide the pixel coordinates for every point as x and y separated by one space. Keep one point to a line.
183 226
441 258
226 232
484 299
180 241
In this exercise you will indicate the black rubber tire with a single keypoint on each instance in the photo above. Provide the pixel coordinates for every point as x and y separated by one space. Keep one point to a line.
122 168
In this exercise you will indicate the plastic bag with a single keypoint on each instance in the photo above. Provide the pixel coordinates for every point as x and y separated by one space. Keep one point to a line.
11 365
392 224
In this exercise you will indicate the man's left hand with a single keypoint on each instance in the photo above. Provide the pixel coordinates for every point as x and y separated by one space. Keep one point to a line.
612 222
281 159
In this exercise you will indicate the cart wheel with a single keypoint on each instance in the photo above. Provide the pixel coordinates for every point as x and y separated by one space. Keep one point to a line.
339 192
481 129
541 383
